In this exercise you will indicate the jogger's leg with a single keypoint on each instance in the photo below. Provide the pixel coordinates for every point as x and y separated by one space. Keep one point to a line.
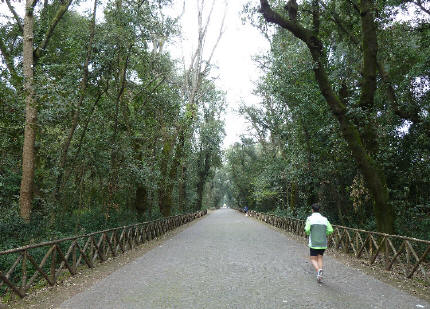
314 261
320 261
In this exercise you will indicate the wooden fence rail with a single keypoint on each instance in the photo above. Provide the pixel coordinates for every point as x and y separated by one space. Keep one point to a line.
405 255
48 260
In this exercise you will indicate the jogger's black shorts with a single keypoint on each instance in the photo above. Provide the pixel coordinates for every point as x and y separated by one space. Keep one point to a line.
315 252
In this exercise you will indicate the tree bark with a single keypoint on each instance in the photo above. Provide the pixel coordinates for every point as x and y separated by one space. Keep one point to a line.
58 15
123 64
15 15
312 188
182 188
173 173
26 191
165 183
141 200
182 185
204 167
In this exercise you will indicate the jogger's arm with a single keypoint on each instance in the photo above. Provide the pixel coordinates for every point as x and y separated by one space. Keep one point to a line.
307 227
329 228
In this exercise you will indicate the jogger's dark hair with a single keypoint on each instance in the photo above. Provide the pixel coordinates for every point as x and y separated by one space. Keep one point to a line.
316 207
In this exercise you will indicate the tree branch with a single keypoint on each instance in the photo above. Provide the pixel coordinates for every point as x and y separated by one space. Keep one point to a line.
336 19
76 113
370 49
391 94
60 12
315 17
408 115
421 6
15 15
221 32
151 92
16 79
295 28
208 20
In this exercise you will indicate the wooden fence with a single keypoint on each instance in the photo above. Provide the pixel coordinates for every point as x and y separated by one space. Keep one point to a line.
405 255
47 261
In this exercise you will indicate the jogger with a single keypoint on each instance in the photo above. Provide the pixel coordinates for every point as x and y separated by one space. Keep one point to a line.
317 227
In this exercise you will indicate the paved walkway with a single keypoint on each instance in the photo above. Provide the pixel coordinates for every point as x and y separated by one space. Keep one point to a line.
227 260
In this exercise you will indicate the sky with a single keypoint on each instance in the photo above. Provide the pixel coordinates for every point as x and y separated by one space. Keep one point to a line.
235 70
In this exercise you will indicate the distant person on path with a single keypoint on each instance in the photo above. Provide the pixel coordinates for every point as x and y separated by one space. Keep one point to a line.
317 227
246 210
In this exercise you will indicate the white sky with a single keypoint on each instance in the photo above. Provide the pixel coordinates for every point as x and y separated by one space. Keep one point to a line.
235 68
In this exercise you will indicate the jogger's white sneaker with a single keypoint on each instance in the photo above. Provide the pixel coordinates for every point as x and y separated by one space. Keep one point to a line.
320 275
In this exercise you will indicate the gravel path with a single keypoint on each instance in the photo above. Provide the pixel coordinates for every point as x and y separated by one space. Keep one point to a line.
227 260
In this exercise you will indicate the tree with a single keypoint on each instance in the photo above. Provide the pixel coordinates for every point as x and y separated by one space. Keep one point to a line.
28 153
193 79
373 175
76 113
211 134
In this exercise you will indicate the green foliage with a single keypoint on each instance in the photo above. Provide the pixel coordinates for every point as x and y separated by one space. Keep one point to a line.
132 103
48 223
297 155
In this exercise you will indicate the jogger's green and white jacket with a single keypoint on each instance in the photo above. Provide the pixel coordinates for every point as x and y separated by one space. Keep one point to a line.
318 227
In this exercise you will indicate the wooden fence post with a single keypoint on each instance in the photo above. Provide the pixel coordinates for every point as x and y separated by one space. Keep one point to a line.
75 268
53 262
24 272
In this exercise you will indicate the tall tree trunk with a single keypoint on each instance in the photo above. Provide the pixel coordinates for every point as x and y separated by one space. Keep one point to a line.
141 199
312 188
120 83
204 167
113 179
141 195
30 58
293 197
26 191
81 139
335 189
198 69
182 188
182 191
199 201
170 176
165 183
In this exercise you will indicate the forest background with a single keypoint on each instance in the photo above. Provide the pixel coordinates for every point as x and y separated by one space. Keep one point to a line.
344 115
101 127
